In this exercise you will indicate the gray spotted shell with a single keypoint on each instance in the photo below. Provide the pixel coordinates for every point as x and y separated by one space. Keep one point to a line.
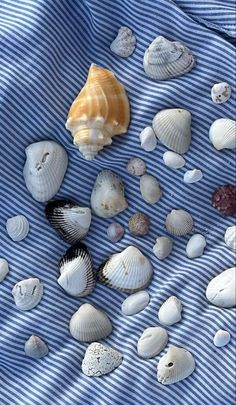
124 44
35 347
100 359
176 365
136 166
27 293
139 224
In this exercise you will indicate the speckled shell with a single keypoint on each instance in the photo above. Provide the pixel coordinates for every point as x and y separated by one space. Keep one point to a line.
100 359
170 311
4 269
195 246
162 247
35 347
221 291
152 342
173 160
193 176
179 222
177 364
222 134
124 44
230 237
27 293
135 303
139 224
148 139
220 92
17 227
136 166
150 189
221 338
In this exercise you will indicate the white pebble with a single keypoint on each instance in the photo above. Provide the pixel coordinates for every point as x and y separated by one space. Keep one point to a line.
4 269
192 176
221 338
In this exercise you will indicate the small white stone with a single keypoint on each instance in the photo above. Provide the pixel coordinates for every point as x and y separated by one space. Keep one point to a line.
230 237
221 338
162 247
170 311
195 246
220 92
135 303
4 268
148 139
173 160
192 176
150 189
152 342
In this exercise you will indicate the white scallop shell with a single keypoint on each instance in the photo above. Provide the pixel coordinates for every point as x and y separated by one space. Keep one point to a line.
195 246
148 139
100 359
173 160
89 324
4 269
152 342
220 92
193 176
44 170
162 247
222 134
128 271
221 338
135 303
170 311
124 44
115 232
35 347
230 237
150 189
173 128
221 291
17 227
27 293
136 166
179 222
177 364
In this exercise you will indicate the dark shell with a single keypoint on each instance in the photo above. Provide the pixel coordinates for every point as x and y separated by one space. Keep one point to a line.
224 200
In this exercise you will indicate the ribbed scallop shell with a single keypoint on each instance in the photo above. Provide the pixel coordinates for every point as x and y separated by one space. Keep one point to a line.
170 311
179 222
152 342
100 111
162 247
124 44
100 359
173 128
173 160
230 237
221 291
35 347
27 293
135 303
222 134
177 364
17 227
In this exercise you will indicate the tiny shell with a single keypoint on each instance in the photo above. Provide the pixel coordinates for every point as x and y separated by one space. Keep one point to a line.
192 176
4 269
220 92
17 227
100 359
124 44
152 342
135 303
173 160
177 364
35 347
224 199
139 224
148 139
115 232
179 222
150 189
136 166
195 246
27 293
222 134
162 247
221 338
221 290
230 237
170 311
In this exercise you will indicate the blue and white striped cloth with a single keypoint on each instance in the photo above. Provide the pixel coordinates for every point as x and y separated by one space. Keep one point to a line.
46 48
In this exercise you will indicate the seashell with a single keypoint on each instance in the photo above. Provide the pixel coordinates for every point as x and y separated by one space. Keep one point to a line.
222 134
162 247
221 338
89 324
150 189
69 220
35 347
164 59
136 166
220 92
173 160
100 359
152 342
107 198
193 176
230 237
115 232
179 222
44 170
221 290
17 227
173 128
4 269
100 111
135 303
27 293
77 277
170 311
224 199
148 139
176 365
128 271
195 246
139 224
124 44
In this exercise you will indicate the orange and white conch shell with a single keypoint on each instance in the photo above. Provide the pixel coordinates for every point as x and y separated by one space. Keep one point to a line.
100 111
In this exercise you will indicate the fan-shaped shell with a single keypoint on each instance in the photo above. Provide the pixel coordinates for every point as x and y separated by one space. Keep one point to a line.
221 291
222 134
152 342
150 189
148 139
221 338
220 92
193 176
4 269
179 222
170 311
173 160
100 359
177 364
230 237
162 247
35 347
100 111
135 303
27 293
195 246
124 44
17 227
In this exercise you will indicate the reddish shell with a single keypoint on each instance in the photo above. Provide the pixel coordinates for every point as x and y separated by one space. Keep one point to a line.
224 199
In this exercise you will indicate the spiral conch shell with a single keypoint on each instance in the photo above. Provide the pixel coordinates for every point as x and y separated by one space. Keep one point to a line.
100 111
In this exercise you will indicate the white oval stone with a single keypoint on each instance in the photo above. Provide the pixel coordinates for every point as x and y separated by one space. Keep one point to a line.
193 176
195 246
135 303
170 311
221 291
230 237
162 247
173 160
4 268
152 342
221 338
150 189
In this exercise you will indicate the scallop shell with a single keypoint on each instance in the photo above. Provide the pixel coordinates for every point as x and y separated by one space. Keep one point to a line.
230 237
89 324
163 247
135 303
193 176
152 342
128 271
195 246
100 111
221 338
35 347
44 170
179 222
124 44
222 134
115 232
139 224
77 277
17 227
176 365
4 269
107 198
27 293
69 220
220 92
173 128
170 311
164 59
100 359
136 166
150 189
173 160
221 291
148 139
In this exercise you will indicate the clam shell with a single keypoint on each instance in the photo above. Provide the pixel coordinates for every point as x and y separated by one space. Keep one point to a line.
150 189
195 246
176 365
27 293
173 160
170 311
128 271
221 291
173 128
89 324
139 224
179 222
148 139
222 134
124 44
44 170
162 247
136 166
35 347
77 277
17 227
220 92
135 303
115 232
100 359
230 237
221 338
4 269
152 342
69 220
193 176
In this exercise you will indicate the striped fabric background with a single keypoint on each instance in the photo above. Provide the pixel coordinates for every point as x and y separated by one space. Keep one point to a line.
46 48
